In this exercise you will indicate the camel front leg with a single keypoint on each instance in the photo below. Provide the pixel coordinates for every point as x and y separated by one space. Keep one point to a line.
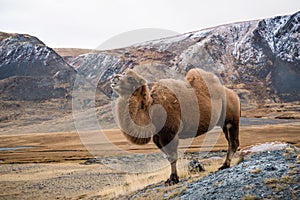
169 146
174 179
172 155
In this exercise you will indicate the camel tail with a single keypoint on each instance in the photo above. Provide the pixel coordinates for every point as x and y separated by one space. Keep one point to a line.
240 109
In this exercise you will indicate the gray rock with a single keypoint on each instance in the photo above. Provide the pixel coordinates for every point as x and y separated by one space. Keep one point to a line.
263 175
194 166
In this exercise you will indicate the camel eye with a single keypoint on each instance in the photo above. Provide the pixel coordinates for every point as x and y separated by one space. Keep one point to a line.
115 80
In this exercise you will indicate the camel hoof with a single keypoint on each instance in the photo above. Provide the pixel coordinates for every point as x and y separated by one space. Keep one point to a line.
224 167
174 179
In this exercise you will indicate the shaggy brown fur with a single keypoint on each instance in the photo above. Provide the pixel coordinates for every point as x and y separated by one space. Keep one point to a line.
186 109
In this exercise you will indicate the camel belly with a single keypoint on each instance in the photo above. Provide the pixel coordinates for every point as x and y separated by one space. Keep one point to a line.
185 133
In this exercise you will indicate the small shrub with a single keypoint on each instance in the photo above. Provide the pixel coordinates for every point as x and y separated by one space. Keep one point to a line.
290 150
269 181
219 183
298 159
240 160
286 156
293 171
248 187
291 166
255 171
286 179
250 197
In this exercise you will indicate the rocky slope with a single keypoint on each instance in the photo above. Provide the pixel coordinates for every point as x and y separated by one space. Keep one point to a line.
268 171
264 175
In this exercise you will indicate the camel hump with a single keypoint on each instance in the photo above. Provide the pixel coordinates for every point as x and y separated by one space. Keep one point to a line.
205 77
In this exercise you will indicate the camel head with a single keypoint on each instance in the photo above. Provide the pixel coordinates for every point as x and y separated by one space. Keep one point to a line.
126 84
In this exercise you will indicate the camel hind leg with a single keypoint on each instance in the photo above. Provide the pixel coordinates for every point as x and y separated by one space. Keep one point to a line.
231 131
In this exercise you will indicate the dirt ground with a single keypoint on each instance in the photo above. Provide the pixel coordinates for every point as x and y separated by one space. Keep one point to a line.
50 165
67 146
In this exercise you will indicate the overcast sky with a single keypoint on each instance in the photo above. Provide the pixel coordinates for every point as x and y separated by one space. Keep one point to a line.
89 23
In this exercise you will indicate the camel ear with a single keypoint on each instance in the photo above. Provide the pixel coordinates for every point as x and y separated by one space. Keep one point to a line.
143 81
131 73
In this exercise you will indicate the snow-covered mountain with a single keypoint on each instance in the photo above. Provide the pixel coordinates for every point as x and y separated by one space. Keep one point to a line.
29 70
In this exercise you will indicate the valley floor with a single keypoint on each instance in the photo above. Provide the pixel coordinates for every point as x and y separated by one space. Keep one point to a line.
56 165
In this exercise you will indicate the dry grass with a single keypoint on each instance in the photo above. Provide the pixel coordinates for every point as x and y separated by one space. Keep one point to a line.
280 184
290 150
298 159
286 179
271 181
250 197
255 171
135 182
293 171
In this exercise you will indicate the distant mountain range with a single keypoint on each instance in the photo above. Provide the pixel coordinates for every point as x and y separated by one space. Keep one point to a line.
259 59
